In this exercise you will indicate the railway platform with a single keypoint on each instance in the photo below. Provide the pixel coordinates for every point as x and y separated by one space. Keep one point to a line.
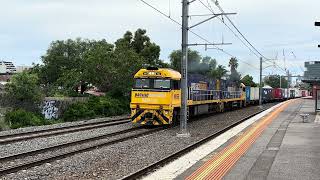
276 144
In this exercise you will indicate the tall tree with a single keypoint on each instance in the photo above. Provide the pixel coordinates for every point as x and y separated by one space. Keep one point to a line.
233 64
274 81
63 56
248 81
194 60
72 63
24 91
141 44
219 72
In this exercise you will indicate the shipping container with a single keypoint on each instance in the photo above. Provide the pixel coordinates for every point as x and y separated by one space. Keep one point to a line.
248 93
286 93
304 93
291 93
267 95
277 93
254 94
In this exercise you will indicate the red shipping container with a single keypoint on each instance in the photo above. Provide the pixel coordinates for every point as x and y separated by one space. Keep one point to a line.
278 93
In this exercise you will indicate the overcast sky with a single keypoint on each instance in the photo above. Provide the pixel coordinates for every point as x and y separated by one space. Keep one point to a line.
28 27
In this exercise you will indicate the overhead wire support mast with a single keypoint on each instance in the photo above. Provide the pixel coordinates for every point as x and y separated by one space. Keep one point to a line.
215 15
184 45
184 71
184 64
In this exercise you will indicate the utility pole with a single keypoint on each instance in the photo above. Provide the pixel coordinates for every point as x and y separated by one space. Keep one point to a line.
288 93
184 71
260 89
280 81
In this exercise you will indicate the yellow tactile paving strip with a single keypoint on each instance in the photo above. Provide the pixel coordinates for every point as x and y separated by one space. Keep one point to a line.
222 162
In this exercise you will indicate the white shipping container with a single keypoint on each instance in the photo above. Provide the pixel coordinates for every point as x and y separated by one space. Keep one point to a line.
297 92
256 93
252 94
286 93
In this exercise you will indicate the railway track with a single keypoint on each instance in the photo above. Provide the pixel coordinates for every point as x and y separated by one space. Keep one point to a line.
138 174
48 154
6 139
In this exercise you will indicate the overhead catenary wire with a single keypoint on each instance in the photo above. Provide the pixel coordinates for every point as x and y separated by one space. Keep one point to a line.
220 8
236 35
267 60
194 33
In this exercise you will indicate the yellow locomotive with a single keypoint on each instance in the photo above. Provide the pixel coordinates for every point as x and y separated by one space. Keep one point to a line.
156 97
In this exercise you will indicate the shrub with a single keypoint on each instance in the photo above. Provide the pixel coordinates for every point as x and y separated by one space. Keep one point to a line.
96 107
21 118
77 111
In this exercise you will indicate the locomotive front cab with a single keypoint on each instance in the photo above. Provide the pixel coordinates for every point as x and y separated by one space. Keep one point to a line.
155 95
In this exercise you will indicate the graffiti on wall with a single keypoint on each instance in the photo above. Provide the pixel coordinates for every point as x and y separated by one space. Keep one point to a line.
50 109
53 107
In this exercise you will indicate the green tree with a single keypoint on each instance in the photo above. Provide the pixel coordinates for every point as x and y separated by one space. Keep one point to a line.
219 72
233 64
24 91
141 44
63 56
274 81
248 81
70 64
112 69
206 65
194 60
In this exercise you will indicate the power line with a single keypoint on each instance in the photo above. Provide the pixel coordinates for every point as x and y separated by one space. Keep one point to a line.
266 59
197 35
217 4
210 9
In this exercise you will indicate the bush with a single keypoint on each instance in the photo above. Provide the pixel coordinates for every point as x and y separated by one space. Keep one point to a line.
21 118
77 111
96 107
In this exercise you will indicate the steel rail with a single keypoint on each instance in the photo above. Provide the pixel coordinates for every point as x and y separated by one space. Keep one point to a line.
56 156
6 139
189 148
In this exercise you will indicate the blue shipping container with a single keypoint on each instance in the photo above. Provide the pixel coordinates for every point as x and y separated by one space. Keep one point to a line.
248 93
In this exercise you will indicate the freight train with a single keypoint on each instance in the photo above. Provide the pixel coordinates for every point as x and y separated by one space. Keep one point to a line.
156 95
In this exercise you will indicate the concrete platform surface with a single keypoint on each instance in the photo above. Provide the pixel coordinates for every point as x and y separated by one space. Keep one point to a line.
286 148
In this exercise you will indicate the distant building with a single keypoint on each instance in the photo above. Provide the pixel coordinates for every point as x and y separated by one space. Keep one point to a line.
312 70
7 67
312 75
20 69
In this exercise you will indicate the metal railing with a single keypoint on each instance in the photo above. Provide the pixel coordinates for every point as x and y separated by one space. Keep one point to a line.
203 95
231 94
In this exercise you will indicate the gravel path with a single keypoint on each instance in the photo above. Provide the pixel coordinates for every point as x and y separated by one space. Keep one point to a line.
116 161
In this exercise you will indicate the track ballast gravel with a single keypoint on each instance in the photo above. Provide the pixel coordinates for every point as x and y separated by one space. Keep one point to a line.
119 160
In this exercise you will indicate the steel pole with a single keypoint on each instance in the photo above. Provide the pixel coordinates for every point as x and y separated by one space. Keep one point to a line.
260 89
280 81
184 70
288 92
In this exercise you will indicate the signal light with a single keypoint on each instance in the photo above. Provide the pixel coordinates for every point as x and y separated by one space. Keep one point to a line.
317 23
